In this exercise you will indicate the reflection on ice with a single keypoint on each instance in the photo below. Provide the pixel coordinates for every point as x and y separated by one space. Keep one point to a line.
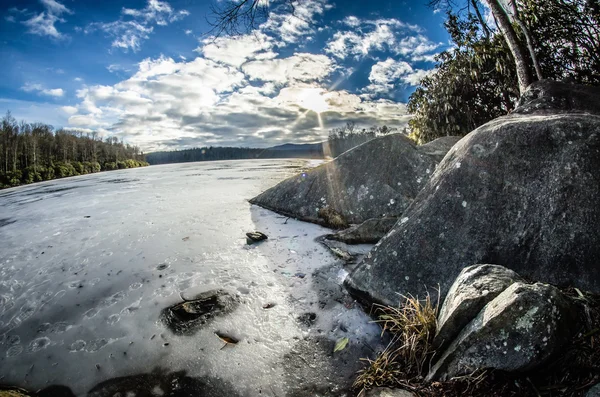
87 264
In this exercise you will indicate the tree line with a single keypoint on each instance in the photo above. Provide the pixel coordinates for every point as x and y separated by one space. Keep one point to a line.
344 138
212 153
33 152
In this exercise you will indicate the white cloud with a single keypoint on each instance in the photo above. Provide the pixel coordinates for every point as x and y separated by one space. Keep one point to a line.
43 24
416 76
176 104
292 25
299 67
416 47
368 36
388 75
54 92
236 51
55 7
85 121
352 21
128 34
69 109
156 11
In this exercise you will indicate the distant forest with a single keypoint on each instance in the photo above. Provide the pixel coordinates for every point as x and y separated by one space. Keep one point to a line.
35 152
340 140
211 153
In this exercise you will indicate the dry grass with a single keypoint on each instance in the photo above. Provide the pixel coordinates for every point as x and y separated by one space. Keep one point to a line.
413 326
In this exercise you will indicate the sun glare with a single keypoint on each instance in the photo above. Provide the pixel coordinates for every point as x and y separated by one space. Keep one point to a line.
312 99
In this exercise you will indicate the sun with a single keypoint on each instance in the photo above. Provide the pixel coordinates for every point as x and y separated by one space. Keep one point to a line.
312 99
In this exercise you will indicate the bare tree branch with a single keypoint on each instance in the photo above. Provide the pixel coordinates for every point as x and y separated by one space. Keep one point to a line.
235 17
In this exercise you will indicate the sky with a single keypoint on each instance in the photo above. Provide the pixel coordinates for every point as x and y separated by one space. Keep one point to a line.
151 73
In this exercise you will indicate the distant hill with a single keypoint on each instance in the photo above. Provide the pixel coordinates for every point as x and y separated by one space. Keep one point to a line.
288 150
308 147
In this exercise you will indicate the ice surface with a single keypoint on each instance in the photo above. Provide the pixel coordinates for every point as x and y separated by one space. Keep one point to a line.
87 264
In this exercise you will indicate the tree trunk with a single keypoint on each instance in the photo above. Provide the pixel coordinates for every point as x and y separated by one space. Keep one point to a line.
484 26
514 44
534 59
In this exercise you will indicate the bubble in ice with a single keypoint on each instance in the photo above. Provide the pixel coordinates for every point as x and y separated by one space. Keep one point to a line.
14 351
96 345
91 313
113 319
135 286
38 344
77 346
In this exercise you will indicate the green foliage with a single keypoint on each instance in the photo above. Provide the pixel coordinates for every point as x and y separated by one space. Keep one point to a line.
31 174
63 170
47 173
110 166
79 169
567 37
474 82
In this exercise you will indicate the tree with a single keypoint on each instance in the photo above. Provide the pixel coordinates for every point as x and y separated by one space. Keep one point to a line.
474 82
344 138
567 37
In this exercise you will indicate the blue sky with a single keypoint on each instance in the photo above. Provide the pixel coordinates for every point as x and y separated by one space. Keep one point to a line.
147 72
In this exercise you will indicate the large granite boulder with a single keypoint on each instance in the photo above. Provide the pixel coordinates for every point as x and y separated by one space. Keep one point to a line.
521 191
378 178
517 331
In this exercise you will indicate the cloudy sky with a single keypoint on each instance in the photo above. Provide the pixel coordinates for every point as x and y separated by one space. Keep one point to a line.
148 72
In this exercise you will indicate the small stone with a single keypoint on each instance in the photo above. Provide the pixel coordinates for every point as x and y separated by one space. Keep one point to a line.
255 237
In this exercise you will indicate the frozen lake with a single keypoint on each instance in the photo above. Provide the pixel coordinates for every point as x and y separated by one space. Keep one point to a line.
88 263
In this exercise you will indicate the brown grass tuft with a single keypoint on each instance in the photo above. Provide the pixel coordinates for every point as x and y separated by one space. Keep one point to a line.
413 326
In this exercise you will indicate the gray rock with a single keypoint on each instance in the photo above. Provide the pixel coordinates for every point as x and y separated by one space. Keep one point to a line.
594 391
187 317
552 97
517 331
255 237
474 287
368 232
438 147
387 392
520 191
378 178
